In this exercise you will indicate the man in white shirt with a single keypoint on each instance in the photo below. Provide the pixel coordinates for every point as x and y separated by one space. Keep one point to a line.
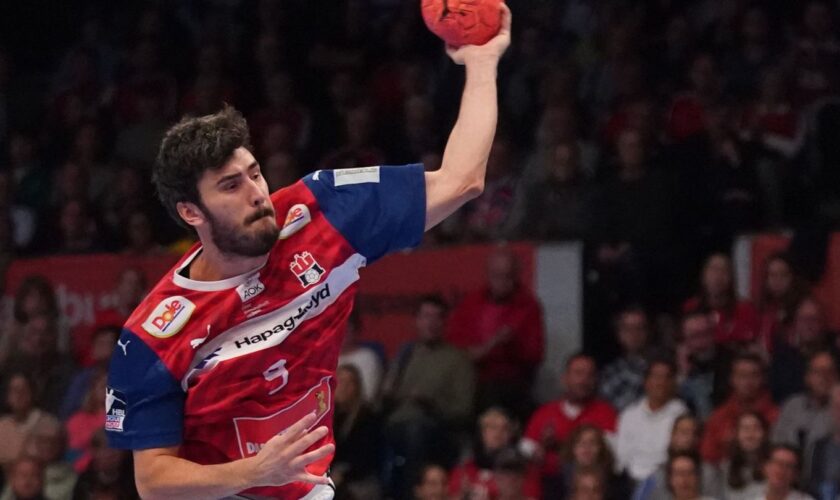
644 428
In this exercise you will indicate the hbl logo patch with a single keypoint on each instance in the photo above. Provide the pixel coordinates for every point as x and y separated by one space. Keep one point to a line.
115 407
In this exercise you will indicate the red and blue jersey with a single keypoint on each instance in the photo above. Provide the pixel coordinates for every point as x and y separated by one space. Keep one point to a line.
218 368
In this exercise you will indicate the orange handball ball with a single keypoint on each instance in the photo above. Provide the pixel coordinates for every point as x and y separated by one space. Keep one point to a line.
463 22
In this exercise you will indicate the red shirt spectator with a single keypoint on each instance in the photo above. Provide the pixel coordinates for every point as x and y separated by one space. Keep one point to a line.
748 394
735 320
500 326
476 477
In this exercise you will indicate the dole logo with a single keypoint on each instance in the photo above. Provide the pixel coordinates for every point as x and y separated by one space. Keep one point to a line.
306 268
297 217
169 317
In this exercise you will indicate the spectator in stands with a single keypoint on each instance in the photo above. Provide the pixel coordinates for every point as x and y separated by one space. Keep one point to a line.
47 444
363 357
35 296
823 472
684 477
425 402
782 471
31 179
685 438
754 52
23 219
431 483
509 470
486 217
474 477
587 448
816 51
550 427
736 321
806 417
140 237
622 381
129 290
103 344
110 469
644 428
781 290
501 327
558 206
747 382
82 425
357 436
805 334
743 470
588 484
702 365
22 419
26 480
688 113
37 354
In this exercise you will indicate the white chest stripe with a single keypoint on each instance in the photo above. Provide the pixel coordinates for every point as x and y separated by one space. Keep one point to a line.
271 329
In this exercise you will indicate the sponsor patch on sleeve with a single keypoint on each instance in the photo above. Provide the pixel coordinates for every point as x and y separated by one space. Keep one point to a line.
169 317
347 176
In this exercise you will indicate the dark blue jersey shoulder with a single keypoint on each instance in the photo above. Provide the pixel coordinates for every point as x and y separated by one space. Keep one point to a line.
377 209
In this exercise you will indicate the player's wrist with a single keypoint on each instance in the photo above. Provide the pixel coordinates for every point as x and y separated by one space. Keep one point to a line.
481 70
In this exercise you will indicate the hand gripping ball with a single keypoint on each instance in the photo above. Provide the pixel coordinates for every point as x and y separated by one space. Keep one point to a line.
463 22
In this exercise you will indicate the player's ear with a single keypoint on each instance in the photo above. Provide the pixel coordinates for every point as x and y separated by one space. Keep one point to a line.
190 213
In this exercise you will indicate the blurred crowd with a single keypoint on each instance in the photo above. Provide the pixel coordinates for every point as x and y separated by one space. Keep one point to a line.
653 131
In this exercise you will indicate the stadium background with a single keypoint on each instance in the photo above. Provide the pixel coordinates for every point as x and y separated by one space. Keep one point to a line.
636 139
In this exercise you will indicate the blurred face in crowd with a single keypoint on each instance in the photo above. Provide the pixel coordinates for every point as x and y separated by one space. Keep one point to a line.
35 303
433 485
704 75
280 170
347 389
684 480
779 278
587 448
19 395
808 323
509 484
821 376
717 275
565 162
588 486
660 385
698 334
755 26
631 151
502 275
781 469
496 430
236 207
747 380
580 379
47 442
750 433
633 331
39 336
75 221
140 233
430 322
27 479
685 435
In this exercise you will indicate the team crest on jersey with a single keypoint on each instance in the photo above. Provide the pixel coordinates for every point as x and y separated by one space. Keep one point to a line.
297 217
169 317
306 268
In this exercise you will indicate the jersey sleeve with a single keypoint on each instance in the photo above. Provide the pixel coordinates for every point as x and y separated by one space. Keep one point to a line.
144 403
377 209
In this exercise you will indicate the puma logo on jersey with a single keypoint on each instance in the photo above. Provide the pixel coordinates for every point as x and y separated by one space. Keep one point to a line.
124 346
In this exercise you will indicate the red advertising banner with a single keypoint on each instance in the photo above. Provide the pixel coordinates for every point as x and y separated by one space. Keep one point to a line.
827 290
389 290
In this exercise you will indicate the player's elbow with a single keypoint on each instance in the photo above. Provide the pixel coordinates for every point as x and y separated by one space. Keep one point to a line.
472 190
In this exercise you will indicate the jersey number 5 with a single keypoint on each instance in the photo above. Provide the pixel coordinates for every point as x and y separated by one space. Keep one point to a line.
277 371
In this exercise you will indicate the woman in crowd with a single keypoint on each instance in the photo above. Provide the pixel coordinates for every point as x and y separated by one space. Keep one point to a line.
781 289
22 417
736 321
685 438
110 471
474 477
431 484
588 448
684 476
742 473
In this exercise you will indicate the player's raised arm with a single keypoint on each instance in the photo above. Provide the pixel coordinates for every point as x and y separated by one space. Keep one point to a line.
461 175
160 473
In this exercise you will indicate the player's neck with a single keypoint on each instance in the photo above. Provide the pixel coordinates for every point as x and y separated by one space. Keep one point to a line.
213 265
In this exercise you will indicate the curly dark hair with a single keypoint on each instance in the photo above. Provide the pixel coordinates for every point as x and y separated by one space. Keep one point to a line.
192 146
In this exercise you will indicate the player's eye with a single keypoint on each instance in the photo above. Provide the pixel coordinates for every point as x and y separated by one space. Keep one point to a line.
256 175
230 186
